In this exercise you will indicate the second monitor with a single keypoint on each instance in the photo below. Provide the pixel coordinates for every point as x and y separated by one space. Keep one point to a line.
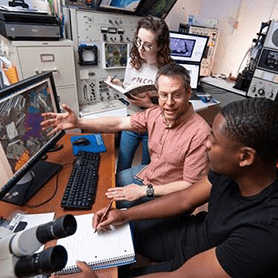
187 47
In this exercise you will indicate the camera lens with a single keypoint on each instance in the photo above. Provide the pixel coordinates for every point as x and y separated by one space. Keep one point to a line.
61 227
45 262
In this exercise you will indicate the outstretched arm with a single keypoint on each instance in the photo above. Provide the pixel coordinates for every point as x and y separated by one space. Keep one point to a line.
60 121
176 203
69 120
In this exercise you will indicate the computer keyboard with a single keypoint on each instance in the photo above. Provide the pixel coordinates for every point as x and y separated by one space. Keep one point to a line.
82 185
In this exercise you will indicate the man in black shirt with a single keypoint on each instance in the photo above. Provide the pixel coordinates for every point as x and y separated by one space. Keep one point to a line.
238 236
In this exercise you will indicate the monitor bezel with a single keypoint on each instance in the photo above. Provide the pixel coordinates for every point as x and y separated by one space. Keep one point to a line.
174 34
7 91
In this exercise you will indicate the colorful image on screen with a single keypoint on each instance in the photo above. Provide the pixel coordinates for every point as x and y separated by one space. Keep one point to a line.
181 47
21 134
188 48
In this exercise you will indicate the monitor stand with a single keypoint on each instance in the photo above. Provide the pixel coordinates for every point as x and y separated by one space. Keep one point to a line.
32 182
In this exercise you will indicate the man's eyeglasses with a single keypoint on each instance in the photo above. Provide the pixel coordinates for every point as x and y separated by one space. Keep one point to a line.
138 43
175 96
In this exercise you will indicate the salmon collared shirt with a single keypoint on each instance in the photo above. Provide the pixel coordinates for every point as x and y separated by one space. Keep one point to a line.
177 152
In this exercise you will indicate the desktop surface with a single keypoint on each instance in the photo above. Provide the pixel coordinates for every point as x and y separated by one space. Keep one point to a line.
223 84
65 157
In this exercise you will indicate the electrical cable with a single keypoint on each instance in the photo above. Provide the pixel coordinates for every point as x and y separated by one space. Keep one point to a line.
54 193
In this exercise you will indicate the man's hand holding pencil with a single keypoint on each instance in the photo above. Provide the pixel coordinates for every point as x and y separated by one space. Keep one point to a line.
106 217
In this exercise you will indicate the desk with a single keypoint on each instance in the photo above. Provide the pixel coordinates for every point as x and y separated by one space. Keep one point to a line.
222 90
65 157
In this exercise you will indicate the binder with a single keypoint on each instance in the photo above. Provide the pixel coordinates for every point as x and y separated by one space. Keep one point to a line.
99 250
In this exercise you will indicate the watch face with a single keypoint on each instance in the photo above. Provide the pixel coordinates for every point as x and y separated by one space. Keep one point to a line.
150 191
275 37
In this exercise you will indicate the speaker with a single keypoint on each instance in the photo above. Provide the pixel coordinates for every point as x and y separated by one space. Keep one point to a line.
271 40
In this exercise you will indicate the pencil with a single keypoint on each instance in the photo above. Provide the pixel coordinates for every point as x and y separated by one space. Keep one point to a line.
113 77
105 213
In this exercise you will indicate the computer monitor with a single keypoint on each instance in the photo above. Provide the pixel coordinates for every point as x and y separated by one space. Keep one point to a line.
23 143
123 6
194 71
158 8
187 47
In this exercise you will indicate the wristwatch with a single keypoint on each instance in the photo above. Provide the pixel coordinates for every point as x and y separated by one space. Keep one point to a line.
150 190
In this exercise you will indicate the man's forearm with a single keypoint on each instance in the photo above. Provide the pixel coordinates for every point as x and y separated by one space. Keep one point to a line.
173 203
165 206
160 190
104 124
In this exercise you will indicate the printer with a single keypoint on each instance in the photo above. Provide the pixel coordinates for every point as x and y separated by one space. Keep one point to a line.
26 25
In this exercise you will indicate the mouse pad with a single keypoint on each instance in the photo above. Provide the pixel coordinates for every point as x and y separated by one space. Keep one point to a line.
96 144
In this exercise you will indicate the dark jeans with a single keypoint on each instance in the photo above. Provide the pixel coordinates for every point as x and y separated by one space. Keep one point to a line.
129 143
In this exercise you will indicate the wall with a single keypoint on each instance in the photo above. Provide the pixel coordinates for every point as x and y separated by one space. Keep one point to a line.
239 22
179 13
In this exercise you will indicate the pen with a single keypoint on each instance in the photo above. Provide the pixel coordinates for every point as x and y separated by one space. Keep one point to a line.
105 213
113 77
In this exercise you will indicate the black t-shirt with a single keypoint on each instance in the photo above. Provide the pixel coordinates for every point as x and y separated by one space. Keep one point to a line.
244 229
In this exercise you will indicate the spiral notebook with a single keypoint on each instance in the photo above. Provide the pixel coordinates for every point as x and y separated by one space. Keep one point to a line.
100 249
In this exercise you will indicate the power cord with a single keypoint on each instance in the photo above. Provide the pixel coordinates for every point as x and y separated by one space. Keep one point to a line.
54 193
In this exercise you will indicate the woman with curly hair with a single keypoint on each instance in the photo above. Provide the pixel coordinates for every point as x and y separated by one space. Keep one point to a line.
149 52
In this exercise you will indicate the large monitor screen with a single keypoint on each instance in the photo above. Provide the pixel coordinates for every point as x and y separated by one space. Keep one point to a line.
187 47
158 8
23 143
128 6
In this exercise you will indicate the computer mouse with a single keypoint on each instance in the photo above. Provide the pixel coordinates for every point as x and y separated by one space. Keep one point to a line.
81 142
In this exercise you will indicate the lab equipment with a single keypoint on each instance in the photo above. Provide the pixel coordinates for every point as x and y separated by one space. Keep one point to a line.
17 250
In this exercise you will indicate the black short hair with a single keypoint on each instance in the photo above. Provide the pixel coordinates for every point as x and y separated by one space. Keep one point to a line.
254 123
176 70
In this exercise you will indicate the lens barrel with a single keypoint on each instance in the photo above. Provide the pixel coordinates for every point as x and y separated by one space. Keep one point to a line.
61 227
45 262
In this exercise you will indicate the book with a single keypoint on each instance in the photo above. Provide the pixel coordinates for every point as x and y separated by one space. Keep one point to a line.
136 89
99 250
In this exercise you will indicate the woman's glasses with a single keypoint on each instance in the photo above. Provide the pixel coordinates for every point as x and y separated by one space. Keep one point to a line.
138 43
